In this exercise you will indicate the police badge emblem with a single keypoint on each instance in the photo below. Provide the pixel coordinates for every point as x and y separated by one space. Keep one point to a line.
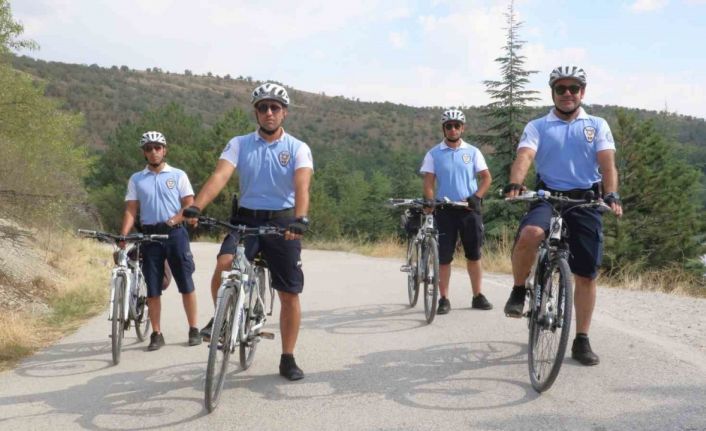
466 158
171 183
284 158
590 133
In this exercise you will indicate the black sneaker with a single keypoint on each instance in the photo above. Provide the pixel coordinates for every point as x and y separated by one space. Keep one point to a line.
516 302
156 341
581 351
288 368
444 306
194 337
206 331
480 302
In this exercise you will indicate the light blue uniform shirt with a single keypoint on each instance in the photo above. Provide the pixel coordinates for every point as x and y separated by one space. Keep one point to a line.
455 169
566 151
266 170
159 194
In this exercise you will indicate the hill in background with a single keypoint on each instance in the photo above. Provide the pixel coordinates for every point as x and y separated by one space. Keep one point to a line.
109 96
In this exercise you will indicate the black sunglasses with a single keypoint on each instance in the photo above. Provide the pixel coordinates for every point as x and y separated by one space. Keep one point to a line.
262 108
150 148
449 126
561 89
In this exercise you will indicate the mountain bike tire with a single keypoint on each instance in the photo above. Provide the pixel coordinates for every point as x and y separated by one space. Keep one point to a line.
412 278
547 342
117 324
254 314
430 260
220 348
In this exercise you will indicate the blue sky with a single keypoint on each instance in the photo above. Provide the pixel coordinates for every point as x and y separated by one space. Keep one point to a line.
637 53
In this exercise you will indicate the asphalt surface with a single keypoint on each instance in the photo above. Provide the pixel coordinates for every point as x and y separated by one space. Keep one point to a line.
371 363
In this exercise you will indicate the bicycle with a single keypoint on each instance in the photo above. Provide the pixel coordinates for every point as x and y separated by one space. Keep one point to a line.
550 289
240 310
422 258
128 291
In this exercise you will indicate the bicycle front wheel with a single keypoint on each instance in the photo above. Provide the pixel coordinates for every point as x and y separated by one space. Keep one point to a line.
254 314
550 325
220 347
430 263
412 278
117 324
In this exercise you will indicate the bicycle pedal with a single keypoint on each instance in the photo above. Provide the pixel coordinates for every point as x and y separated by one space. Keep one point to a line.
268 335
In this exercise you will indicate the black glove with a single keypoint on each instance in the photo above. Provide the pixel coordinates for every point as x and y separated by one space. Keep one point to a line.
299 226
512 187
474 203
428 203
611 198
191 212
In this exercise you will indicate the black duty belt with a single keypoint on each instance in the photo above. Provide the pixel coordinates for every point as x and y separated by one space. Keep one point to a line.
158 229
265 214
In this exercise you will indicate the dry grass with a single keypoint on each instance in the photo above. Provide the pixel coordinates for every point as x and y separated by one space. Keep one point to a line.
496 258
80 293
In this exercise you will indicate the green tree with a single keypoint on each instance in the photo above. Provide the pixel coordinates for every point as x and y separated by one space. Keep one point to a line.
10 30
507 114
663 222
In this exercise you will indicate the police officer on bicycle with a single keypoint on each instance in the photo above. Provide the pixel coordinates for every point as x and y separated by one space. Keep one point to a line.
159 192
275 171
573 153
461 174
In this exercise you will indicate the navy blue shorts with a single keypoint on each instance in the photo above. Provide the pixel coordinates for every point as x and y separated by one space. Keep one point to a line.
283 257
585 227
455 222
177 252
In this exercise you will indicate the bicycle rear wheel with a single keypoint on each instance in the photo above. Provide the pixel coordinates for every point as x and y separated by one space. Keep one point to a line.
220 348
142 318
117 324
254 314
430 262
549 330
412 279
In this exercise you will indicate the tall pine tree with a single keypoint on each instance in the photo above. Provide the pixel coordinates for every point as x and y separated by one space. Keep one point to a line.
507 116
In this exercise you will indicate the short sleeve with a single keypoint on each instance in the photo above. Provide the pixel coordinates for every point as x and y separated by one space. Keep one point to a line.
530 137
427 164
231 151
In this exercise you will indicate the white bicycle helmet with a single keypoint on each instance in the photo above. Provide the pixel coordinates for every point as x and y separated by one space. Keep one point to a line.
271 91
453 115
567 72
152 136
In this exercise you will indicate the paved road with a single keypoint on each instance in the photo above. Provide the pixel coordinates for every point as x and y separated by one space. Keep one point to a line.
371 363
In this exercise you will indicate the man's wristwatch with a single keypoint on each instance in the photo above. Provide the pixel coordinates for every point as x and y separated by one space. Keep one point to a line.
303 220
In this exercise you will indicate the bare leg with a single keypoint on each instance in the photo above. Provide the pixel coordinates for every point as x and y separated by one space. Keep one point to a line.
525 252
444 279
223 263
155 309
584 302
190 307
289 320
475 273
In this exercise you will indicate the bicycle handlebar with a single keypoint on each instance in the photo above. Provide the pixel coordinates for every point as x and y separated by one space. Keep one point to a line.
418 203
544 195
112 238
242 229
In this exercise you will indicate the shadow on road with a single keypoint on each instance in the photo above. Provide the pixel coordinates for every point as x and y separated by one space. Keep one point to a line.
121 401
365 319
